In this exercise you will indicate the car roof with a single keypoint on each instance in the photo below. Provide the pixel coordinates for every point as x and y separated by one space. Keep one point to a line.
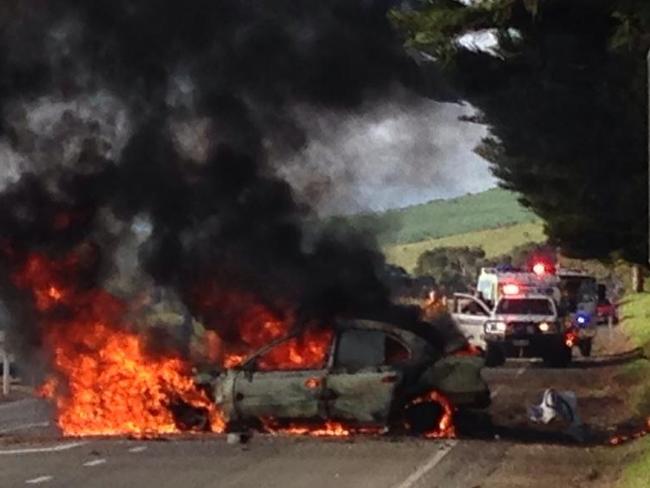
526 296
442 334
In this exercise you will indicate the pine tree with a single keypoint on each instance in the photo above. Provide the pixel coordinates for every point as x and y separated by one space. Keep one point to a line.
564 94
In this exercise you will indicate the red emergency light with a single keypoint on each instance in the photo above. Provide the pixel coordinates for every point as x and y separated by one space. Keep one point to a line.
510 289
539 269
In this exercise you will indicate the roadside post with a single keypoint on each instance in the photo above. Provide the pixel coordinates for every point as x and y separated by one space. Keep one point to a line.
4 355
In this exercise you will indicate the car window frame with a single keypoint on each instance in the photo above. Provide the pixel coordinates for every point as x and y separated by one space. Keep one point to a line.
341 368
250 364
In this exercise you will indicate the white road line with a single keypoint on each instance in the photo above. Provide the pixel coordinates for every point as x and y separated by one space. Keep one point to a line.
17 403
32 450
431 463
95 462
40 479
24 427
138 449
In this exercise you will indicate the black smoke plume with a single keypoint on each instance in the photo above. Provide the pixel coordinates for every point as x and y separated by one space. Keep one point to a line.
117 112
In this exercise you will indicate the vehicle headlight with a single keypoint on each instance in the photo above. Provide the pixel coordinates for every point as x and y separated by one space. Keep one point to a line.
495 327
544 327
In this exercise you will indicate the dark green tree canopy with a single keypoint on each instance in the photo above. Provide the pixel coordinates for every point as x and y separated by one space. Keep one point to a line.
564 94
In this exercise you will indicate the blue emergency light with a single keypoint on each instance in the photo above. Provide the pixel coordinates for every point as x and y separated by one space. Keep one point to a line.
582 319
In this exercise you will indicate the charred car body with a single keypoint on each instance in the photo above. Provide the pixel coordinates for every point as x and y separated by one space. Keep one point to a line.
363 373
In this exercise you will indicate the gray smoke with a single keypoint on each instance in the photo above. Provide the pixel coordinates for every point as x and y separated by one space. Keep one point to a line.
401 151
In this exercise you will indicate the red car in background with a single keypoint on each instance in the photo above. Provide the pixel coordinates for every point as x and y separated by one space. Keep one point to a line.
606 310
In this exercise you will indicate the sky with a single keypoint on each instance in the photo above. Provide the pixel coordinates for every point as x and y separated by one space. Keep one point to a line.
405 151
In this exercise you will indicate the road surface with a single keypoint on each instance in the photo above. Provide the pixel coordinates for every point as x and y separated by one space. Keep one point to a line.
32 452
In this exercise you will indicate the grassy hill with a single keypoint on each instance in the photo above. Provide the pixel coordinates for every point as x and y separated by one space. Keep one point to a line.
439 218
493 241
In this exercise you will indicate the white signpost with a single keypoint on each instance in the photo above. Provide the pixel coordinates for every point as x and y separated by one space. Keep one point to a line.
4 356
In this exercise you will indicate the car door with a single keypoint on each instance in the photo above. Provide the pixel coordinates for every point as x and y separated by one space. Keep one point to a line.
470 315
281 382
362 381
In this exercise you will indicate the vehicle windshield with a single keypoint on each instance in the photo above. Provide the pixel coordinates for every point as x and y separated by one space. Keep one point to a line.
525 306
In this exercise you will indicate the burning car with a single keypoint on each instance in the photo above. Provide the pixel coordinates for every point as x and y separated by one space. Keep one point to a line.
359 373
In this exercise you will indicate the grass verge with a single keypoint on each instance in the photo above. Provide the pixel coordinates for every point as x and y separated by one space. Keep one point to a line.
635 313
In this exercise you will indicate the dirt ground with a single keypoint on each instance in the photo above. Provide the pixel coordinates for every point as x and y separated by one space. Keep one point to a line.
545 455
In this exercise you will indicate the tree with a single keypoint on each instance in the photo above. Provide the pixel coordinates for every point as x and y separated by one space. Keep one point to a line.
454 268
564 94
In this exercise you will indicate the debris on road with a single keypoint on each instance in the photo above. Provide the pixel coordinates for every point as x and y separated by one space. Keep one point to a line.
561 405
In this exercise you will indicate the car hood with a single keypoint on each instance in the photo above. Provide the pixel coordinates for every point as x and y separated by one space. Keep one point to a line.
523 318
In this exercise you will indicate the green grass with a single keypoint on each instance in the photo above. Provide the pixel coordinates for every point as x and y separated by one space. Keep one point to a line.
494 242
636 474
635 312
490 209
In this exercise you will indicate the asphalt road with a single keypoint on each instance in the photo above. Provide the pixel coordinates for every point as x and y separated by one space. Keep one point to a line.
266 462
32 452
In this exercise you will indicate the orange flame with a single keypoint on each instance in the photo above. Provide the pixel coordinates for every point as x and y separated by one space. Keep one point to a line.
105 383
621 439
446 428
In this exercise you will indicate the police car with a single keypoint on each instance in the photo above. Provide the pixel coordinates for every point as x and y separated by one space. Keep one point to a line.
526 324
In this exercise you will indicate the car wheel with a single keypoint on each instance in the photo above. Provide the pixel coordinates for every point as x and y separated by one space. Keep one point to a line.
422 417
585 348
494 356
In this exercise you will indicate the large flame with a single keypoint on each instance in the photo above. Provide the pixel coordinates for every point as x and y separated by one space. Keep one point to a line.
105 382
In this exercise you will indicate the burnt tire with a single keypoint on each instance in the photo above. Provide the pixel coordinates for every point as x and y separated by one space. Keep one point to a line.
585 348
494 356
422 417
559 357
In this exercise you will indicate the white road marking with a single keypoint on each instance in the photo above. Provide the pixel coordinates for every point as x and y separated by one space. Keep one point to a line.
17 403
138 449
431 463
32 450
95 462
24 427
40 479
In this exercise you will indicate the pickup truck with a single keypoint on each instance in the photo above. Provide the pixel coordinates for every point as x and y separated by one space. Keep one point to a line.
520 325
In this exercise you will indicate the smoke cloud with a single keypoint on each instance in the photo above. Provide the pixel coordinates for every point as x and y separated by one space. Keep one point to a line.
172 137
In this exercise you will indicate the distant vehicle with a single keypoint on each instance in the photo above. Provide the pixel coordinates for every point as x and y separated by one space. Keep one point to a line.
526 325
579 303
494 283
369 373
606 311
575 294
470 314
